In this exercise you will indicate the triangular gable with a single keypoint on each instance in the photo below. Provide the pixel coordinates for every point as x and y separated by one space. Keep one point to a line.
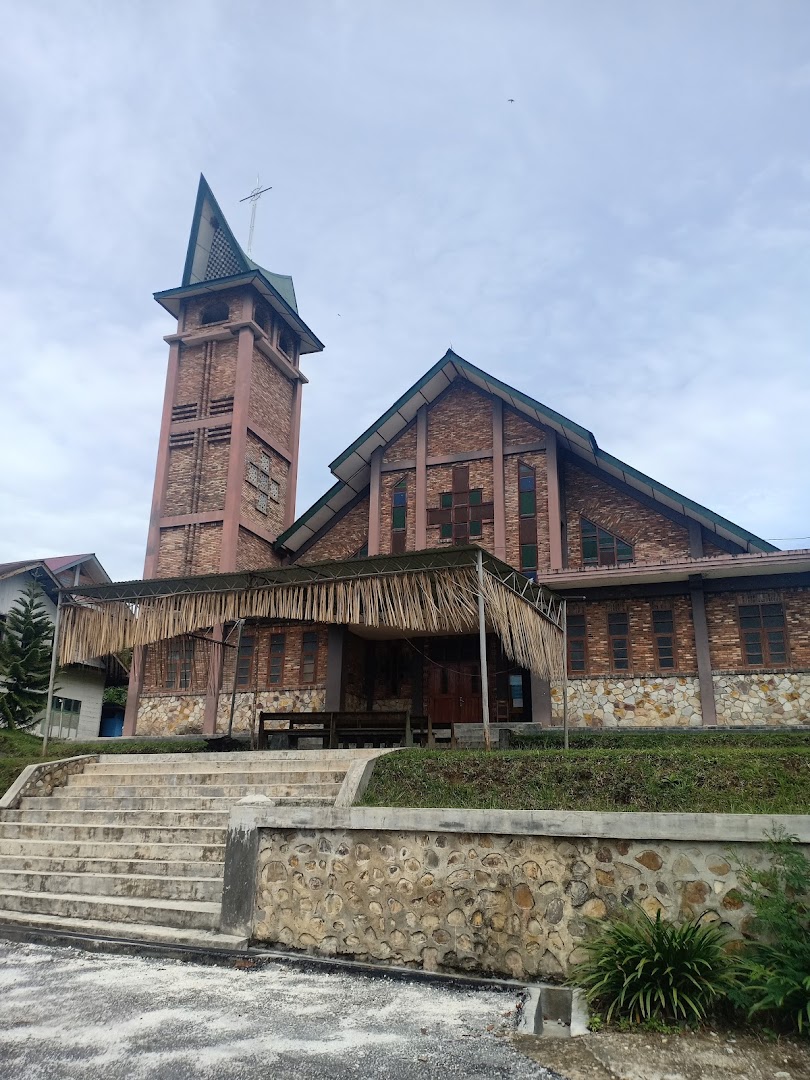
352 467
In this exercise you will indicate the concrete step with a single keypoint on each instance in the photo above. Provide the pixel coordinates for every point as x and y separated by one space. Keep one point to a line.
47 846
239 764
72 864
161 819
207 889
196 796
163 935
184 914
280 758
169 778
135 834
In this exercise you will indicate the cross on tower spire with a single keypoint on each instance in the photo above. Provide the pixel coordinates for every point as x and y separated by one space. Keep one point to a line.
253 198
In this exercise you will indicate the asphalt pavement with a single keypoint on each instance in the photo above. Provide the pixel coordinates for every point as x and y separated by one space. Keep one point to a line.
66 1013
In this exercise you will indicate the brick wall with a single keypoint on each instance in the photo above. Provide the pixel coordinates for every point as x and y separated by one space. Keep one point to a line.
403 447
653 536
213 476
440 479
347 536
254 553
725 646
235 298
273 521
643 659
510 469
271 397
387 483
459 420
189 549
518 429
292 656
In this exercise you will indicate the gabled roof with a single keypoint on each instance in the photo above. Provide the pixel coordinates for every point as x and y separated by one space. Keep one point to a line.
352 468
215 257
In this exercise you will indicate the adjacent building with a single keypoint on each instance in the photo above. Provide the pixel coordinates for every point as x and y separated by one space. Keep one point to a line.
77 702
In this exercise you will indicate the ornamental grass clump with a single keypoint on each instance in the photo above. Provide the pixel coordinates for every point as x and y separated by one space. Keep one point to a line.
639 969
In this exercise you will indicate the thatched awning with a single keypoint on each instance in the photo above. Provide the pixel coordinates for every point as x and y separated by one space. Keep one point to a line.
430 591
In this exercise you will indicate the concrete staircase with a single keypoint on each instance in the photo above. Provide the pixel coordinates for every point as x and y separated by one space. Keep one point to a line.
134 846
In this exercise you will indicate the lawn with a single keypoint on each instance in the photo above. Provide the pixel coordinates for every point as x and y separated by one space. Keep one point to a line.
693 777
18 749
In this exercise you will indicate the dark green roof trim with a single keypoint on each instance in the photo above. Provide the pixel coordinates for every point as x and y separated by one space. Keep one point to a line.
603 458
307 514
240 279
463 365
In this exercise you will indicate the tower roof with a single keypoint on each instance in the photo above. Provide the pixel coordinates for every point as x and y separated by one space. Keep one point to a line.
215 260
214 253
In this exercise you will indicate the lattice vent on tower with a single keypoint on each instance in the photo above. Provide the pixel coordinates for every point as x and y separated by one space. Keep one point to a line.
222 259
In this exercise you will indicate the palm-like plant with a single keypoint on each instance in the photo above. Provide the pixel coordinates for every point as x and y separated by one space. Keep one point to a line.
639 968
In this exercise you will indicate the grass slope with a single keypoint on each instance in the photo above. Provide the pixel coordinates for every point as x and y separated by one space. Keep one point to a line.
18 749
701 780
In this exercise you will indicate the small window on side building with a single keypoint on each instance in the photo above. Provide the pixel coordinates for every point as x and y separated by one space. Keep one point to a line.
762 629
619 638
309 656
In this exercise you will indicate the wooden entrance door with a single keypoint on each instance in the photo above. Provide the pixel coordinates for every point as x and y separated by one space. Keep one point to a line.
454 692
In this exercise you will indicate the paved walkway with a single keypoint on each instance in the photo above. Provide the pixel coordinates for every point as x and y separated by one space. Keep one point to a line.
67 1014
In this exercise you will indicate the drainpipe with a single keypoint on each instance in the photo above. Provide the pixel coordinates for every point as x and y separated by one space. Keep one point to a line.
482 641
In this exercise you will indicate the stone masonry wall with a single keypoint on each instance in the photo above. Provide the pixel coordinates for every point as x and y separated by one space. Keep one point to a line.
780 699
777 699
665 701
171 714
486 904
291 699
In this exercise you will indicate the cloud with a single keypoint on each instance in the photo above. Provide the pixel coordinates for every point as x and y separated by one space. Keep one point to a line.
627 241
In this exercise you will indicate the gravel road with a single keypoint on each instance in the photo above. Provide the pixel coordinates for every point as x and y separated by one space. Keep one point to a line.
66 1013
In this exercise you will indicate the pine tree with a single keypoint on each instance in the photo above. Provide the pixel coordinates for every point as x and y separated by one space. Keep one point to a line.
25 660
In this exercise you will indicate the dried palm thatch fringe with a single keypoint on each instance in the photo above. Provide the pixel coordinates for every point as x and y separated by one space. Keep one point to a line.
445 602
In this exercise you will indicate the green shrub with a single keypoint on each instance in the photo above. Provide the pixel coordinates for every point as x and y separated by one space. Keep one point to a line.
775 963
641 969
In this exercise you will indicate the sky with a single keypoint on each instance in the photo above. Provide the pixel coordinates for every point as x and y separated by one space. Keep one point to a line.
628 240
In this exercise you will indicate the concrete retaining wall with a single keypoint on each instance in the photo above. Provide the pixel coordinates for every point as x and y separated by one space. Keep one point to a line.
489 892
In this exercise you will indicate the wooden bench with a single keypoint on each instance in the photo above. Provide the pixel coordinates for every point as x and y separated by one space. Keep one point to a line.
344 728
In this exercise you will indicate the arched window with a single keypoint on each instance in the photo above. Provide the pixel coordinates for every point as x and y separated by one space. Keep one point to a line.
216 311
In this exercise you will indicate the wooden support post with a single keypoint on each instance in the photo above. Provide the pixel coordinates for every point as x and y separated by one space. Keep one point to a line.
708 705
52 676
334 669
482 643
374 502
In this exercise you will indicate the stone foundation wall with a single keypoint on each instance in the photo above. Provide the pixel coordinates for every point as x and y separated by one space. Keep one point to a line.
659 701
486 903
304 699
781 700
171 714
748 699
184 714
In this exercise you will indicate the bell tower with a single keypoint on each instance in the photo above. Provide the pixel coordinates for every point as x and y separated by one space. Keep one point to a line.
228 451
227 459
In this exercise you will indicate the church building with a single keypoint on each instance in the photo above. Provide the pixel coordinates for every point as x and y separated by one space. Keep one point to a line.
675 615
